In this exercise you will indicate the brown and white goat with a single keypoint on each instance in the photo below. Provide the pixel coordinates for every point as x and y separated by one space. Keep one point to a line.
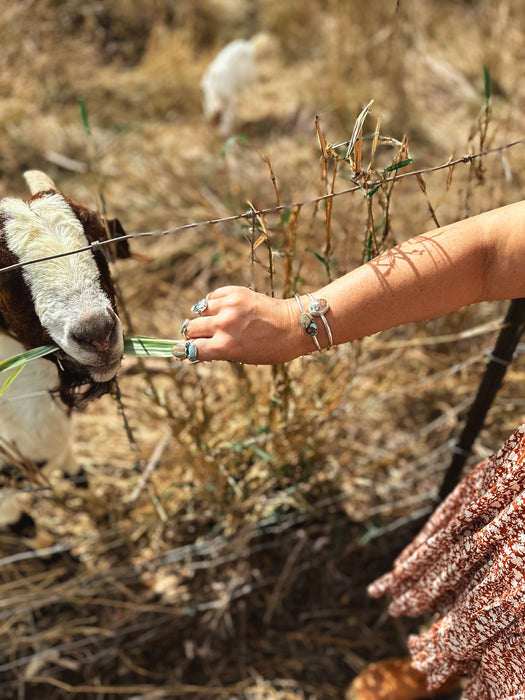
69 301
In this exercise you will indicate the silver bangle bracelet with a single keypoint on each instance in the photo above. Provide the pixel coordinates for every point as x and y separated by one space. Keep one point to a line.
308 323
318 307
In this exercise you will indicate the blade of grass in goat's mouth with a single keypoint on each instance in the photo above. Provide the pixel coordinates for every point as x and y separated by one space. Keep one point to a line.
148 347
19 360
133 345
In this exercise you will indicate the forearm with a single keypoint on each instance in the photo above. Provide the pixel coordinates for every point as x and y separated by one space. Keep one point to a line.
479 259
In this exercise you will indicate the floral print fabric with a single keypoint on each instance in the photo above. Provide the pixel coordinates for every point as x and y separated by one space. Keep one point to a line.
468 566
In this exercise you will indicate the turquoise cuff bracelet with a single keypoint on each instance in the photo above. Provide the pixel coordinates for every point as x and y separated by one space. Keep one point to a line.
308 319
318 308
308 323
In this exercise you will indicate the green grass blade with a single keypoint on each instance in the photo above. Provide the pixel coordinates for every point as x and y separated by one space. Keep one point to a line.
18 360
148 347
12 377
319 257
486 81
397 166
134 345
84 115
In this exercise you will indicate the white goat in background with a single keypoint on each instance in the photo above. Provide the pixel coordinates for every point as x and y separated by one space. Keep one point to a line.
69 301
228 75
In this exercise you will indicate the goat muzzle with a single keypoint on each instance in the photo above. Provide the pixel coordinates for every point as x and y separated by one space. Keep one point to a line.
96 330
95 342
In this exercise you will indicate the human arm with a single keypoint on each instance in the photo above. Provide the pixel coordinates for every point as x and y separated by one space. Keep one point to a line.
478 259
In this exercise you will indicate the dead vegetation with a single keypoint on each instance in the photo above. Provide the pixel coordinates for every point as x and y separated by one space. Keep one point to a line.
236 514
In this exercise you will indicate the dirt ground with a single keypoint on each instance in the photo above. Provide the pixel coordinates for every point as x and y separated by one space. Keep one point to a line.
238 568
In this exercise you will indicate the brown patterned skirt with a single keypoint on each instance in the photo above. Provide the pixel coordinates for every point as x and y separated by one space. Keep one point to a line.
468 566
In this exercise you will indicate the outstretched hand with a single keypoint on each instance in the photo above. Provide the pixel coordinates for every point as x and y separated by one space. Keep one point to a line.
477 259
238 324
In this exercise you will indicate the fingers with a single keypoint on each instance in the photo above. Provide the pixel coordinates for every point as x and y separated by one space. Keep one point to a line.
208 308
240 325
199 329
202 326
203 349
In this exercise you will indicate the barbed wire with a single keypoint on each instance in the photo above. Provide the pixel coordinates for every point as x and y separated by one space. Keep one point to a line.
252 213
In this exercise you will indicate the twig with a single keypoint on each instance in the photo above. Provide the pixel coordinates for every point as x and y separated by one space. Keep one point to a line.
34 554
151 465
395 524
65 162
169 690
285 573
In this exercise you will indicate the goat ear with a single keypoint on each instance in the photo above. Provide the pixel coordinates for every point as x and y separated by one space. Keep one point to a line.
115 230
101 229
37 181
121 247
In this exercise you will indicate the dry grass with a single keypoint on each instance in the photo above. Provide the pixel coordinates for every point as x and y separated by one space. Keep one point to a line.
238 567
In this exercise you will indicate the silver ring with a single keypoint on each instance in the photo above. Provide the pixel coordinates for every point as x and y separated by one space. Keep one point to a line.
184 328
192 354
200 306
186 351
179 351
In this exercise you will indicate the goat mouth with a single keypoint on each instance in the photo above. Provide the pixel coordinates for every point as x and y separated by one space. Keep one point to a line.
104 373
89 373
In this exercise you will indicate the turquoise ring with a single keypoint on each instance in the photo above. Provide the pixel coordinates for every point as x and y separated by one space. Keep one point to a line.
186 351
191 352
200 307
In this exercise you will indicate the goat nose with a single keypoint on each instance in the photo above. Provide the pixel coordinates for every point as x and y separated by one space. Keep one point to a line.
96 329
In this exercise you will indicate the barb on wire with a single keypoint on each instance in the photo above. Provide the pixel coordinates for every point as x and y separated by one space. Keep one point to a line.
251 213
